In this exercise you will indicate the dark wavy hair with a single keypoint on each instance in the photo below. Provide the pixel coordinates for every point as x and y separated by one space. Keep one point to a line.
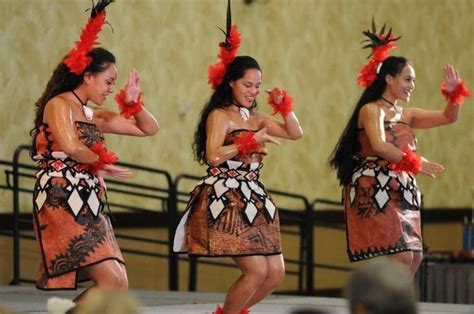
347 146
221 98
64 80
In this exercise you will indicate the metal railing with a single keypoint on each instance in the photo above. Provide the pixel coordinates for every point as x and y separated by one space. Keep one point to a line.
166 200
164 197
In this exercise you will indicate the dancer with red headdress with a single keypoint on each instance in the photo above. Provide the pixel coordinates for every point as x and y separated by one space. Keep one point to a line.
376 159
75 237
230 213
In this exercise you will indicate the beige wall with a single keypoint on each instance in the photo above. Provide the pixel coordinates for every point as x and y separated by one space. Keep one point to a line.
310 47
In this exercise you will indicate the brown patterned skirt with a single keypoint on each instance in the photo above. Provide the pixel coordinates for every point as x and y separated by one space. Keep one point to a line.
382 211
229 214
71 230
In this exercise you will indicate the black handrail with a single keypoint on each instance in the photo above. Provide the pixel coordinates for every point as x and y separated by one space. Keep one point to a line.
305 217
169 207
16 213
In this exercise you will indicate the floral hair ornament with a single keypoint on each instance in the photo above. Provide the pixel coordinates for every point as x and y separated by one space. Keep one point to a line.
227 52
77 59
380 44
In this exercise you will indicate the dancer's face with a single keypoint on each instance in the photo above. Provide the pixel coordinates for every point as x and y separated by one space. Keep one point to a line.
247 88
402 85
101 84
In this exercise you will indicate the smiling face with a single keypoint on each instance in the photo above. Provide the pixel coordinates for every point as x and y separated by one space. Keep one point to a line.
100 85
402 85
246 89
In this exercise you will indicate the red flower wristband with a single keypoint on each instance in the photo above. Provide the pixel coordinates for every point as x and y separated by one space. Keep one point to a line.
286 105
128 110
105 157
246 143
411 163
457 95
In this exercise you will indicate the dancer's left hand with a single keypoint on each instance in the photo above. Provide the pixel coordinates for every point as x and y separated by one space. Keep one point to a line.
430 168
276 94
113 171
132 89
451 78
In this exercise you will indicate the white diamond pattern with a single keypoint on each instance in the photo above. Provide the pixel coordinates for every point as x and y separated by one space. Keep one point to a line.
94 203
250 211
245 190
352 194
271 209
408 196
40 199
216 208
75 202
383 179
382 198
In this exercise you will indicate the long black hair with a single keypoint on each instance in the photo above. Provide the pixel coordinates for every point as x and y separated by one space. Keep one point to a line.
64 80
347 146
221 98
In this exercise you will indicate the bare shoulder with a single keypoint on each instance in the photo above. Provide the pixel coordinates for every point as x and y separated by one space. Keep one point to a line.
57 104
370 109
218 115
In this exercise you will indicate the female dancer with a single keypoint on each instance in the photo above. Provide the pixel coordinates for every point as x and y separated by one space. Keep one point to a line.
376 161
75 237
230 213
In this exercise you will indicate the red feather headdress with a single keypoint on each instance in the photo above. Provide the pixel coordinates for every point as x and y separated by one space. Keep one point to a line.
227 52
78 59
381 44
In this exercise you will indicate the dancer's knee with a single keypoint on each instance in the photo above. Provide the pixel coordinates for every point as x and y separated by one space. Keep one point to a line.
406 258
257 275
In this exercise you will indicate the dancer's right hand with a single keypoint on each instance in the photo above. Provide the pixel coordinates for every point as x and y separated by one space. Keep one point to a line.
262 137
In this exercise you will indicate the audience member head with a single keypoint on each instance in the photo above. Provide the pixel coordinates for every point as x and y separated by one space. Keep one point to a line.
107 302
381 287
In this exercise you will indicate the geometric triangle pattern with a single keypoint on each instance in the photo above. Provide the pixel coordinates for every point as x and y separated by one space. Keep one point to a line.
81 190
369 167
233 176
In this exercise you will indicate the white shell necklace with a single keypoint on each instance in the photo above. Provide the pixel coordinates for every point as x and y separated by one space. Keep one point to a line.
398 109
244 112
87 110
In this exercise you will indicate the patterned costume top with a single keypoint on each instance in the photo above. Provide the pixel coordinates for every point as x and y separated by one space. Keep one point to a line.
382 206
70 228
230 213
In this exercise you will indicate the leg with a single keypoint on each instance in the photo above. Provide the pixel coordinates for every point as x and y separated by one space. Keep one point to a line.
408 259
109 274
417 259
276 273
254 272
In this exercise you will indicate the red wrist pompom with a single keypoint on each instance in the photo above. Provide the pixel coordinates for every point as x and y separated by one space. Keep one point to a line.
105 157
246 143
128 110
411 163
285 107
457 95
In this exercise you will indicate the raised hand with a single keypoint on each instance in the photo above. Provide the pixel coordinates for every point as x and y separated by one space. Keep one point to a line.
132 89
275 95
451 78
430 168
262 137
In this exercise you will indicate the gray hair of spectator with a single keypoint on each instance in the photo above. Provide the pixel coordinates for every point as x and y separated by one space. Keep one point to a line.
381 286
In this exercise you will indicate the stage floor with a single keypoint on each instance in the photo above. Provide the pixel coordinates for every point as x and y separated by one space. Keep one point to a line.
27 299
